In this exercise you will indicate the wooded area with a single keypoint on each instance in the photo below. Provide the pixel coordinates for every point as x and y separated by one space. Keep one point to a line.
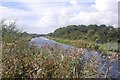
91 32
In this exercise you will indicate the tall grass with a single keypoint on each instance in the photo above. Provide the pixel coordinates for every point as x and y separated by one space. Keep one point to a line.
19 60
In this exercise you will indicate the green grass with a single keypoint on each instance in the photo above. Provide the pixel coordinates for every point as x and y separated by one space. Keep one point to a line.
110 46
76 43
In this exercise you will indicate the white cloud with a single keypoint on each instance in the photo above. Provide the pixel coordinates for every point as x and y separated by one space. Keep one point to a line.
73 2
95 18
102 12
47 15
106 5
10 13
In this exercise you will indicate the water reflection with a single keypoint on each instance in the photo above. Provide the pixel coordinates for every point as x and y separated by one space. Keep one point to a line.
41 41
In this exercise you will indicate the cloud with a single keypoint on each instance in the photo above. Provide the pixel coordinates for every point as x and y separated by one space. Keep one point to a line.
95 18
12 13
45 16
102 12
106 5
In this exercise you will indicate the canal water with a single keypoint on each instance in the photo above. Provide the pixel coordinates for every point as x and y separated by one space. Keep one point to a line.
104 64
42 41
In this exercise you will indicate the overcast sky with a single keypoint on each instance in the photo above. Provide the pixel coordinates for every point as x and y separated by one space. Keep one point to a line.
44 16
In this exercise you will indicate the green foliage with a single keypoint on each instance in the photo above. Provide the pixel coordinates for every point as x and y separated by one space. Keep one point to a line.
91 32
85 36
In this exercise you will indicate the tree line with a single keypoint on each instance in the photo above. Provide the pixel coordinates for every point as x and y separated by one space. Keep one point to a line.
91 32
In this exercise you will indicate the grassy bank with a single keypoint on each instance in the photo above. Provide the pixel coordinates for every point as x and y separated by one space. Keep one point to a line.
76 43
110 46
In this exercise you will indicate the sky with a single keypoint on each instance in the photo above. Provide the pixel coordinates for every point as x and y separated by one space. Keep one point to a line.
44 16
